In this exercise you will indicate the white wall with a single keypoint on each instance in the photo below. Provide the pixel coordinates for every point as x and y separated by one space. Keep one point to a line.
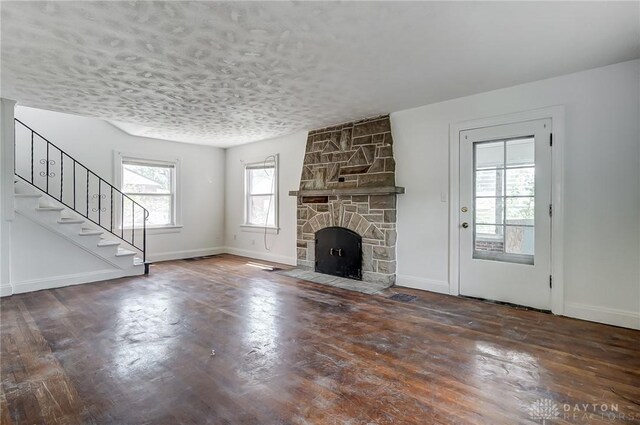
93 142
602 191
250 242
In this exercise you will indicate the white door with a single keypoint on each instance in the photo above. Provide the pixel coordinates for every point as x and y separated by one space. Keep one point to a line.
505 213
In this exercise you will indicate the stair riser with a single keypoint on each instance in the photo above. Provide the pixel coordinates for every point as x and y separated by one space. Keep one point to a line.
125 261
109 251
50 217
30 203
89 241
70 229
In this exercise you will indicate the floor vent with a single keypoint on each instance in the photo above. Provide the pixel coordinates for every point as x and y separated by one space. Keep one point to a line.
272 269
405 298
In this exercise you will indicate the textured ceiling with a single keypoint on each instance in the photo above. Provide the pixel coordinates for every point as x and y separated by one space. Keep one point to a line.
225 73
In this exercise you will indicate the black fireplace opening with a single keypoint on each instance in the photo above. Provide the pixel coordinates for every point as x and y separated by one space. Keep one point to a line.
339 252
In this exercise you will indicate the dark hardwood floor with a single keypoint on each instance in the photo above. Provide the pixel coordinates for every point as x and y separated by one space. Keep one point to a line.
139 350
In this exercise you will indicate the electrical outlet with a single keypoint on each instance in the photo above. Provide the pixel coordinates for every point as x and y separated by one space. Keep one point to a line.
235 237
253 241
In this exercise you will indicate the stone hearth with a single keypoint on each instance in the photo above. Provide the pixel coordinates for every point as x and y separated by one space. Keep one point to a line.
348 180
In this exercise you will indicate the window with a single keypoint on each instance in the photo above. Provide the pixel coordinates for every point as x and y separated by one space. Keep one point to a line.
504 175
152 185
261 194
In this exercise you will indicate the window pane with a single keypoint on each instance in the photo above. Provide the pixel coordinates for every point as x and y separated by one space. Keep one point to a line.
519 240
489 155
489 239
259 207
520 211
489 183
521 181
261 180
520 152
489 210
159 210
146 179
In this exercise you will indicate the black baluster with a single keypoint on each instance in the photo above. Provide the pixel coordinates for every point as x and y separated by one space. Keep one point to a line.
99 199
87 192
47 186
133 223
121 215
74 184
61 175
31 156
144 236
111 199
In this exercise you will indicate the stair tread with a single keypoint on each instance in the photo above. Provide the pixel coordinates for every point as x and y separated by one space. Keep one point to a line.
70 221
90 233
124 253
108 243
27 195
50 209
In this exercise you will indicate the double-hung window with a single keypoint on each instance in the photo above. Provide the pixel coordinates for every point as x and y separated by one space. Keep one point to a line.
152 184
261 194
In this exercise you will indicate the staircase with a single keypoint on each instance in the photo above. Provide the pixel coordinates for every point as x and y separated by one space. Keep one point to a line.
57 192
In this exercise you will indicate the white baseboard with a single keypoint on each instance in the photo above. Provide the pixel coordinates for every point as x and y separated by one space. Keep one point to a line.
439 286
282 259
71 279
179 255
610 316
5 289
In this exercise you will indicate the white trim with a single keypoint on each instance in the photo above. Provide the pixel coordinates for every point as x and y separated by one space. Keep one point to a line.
119 157
6 289
158 230
439 286
180 255
556 114
611 316
282 259
259 229
72 279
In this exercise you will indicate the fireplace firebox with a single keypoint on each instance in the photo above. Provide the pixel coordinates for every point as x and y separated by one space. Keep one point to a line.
339 252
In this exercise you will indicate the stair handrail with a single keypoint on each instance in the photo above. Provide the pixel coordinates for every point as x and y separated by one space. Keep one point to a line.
47 162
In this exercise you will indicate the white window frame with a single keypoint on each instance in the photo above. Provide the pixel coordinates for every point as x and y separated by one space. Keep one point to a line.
121 157
276 198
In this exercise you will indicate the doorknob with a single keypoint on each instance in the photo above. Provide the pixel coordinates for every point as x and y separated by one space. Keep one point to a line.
465 225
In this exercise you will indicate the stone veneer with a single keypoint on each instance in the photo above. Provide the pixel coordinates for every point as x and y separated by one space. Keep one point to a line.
347 169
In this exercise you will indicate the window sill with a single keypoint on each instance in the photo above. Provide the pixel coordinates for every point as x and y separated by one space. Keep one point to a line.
259 229
159 230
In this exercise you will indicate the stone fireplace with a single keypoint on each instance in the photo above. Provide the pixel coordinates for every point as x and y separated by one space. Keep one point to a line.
348 181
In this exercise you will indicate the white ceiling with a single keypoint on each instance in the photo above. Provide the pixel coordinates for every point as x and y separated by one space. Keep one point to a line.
226 73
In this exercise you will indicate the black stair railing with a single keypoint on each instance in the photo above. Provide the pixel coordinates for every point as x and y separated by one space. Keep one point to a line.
48 168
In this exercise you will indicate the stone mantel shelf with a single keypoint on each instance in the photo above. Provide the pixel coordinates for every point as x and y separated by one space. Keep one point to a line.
390 190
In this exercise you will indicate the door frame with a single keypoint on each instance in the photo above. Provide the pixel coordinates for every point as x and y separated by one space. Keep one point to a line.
556 114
